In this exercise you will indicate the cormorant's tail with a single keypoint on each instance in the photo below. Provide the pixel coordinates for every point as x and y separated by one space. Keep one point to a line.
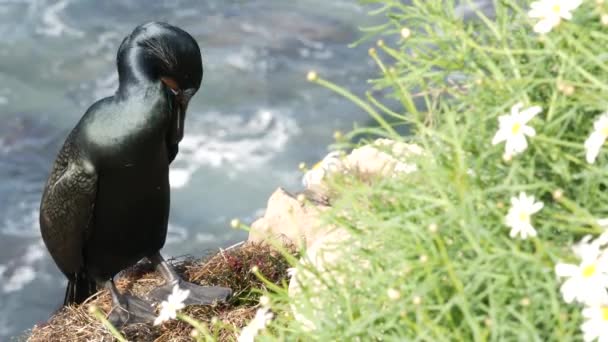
80 287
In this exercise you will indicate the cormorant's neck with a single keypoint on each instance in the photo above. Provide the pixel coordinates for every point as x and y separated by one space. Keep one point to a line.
133 73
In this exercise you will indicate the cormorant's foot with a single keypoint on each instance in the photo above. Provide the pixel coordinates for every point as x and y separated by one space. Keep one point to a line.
199 295
131 310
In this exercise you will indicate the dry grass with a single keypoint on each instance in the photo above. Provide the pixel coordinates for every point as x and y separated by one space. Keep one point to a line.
227 268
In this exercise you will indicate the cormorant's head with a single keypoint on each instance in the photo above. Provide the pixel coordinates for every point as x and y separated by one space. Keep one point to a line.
159 52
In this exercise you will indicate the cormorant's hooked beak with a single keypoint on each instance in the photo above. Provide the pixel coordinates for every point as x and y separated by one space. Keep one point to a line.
178 105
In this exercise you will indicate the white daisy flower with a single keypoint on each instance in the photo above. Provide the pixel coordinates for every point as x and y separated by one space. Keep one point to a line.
518 217
330 164
596 139
174 303
264 301
595 326
393 294
513 129
603 222
291 272
586 282
551 12
257 324
586 246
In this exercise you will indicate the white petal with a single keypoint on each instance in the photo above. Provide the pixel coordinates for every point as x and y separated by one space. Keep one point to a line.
182 295
162 317
568 290
566 270
505 121
524 200
566 15
535 13
545 26
591 154
593 145
595 139
600 122
529 131
589 311
516 144
515 201
499 137
536 207
590 331
573 4
516 108
527 231
522 197
530 113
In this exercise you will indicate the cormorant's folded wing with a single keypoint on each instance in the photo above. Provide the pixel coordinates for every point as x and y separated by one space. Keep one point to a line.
67 209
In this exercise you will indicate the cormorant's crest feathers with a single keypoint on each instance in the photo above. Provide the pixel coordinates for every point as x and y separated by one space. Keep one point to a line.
161 51
157 49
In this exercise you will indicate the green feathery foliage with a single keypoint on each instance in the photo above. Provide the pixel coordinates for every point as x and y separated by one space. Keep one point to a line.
466 279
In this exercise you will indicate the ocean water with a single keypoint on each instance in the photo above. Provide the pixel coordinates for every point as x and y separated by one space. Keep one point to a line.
254 119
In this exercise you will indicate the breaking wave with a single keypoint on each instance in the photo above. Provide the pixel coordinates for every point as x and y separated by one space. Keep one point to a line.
232 140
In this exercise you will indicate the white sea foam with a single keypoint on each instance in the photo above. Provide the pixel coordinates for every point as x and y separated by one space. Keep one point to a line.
23 221
232 141
179 177
176 234
106 86
246 59
21 269
22 276
34 253
53 25
22 225
205 237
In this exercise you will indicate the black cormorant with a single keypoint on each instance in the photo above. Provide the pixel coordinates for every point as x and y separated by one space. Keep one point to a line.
106 202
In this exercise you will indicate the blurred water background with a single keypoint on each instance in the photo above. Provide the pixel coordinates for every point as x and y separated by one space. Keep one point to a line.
253 121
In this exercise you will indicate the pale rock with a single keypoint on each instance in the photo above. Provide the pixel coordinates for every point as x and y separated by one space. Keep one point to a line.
287 220
314 179
373 159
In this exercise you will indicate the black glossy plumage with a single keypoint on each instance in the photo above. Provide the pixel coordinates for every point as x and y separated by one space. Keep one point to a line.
106 203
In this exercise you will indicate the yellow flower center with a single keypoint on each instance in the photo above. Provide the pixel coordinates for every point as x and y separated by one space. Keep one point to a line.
524 217
605 313
604 131
589 271
317 165
516 128
556 8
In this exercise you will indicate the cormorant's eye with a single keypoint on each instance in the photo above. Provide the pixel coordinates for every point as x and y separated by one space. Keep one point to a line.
171 84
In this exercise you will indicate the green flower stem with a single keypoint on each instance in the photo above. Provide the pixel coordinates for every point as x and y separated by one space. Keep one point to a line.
199 326
102 318
558 142
385 109
356 100
268 283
